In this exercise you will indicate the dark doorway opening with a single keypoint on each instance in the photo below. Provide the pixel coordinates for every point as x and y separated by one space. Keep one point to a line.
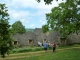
15 42
30 42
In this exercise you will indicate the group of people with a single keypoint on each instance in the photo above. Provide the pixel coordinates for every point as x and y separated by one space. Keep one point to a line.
45 45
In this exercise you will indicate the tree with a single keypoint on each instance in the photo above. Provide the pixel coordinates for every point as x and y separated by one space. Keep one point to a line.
47 1
65 18
5 40
45 28
17 27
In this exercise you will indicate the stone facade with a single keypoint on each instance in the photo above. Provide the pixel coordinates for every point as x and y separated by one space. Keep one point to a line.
32 38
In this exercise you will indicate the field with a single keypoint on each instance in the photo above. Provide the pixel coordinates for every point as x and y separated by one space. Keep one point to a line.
62 53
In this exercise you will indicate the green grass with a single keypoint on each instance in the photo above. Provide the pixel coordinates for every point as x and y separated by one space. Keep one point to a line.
33 49
72 54
62 47
62 53
26 49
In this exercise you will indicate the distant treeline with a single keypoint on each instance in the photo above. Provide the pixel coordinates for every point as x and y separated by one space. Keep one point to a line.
29 29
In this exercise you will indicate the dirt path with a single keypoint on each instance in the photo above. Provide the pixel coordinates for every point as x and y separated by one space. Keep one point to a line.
29 54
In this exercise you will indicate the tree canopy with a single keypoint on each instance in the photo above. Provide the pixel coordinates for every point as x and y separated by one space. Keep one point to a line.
45 28
47 1
5 40
65 18
17 27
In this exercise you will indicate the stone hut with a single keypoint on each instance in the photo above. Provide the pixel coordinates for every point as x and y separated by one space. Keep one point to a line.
27 39
54 37
16 39
37 31
32 38
39 35
73 38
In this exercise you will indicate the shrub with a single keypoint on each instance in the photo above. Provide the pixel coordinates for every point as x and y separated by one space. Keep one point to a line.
26 49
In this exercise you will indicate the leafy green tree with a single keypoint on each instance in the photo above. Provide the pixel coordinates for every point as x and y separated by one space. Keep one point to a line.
65 18
17 27
47 1
45 28
5 40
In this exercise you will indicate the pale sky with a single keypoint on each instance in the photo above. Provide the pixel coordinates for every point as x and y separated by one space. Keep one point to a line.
29 12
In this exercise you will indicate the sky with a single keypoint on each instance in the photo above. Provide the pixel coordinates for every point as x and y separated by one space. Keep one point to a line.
29 12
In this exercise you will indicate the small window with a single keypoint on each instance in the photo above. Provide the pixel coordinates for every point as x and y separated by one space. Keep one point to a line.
15 42
30 41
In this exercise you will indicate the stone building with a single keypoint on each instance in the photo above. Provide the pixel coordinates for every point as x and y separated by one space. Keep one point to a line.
53 37
32 38
29 38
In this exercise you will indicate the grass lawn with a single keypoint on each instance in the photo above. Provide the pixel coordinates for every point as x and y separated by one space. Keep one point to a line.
60 54
72 54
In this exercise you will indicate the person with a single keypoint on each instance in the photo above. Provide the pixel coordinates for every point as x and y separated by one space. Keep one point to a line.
49 44
45 46
54 46
39 44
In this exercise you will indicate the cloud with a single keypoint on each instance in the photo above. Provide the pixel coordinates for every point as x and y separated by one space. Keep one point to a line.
32 25
42 22
28 11
24 21
15 15
18 14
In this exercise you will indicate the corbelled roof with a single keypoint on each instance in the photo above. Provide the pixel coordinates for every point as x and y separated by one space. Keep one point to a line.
37 31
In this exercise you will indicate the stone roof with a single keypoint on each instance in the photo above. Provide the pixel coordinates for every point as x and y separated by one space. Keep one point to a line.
54 37
73 38
37 31
24 38
41 37
38 36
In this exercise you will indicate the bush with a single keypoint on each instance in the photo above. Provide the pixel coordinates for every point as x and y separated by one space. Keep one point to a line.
25 49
